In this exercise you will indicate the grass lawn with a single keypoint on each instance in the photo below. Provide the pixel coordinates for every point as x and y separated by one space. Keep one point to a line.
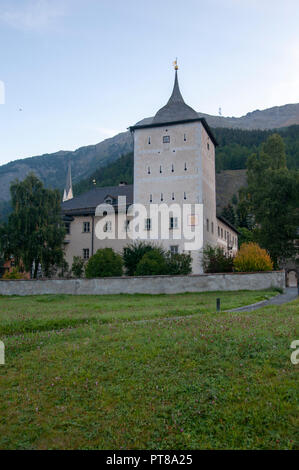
82 373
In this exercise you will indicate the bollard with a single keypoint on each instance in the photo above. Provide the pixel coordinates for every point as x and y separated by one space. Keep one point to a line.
218 305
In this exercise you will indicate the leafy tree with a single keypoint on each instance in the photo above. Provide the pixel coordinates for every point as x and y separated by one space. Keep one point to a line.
178 263
134 252
78 266
274 200
215 260
228 214
104 263
251 257
152 263
34 231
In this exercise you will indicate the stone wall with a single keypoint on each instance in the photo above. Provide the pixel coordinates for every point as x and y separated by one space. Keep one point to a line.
145 284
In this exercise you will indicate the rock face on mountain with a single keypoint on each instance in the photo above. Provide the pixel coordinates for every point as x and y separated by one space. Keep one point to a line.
52 168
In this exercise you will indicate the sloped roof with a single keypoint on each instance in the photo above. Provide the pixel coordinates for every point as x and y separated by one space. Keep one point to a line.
87 202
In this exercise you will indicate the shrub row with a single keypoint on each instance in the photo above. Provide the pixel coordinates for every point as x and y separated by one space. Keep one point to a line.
137 259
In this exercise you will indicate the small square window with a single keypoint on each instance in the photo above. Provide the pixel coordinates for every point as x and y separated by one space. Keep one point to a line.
86 227
174 249
67 228
108 226
166 139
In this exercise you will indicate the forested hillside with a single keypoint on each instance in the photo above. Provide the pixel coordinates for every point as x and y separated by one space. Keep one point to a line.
235 146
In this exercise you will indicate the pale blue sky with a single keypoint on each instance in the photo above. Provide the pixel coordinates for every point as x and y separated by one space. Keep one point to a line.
84 70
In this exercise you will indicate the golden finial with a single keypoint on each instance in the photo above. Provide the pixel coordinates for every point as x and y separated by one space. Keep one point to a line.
175 64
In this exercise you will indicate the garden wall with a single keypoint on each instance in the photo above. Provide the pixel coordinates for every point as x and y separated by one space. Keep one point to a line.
145 284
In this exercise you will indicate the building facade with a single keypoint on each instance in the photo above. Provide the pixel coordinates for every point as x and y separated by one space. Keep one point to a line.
173 195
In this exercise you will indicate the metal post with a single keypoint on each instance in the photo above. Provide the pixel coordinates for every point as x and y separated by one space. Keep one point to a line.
218 305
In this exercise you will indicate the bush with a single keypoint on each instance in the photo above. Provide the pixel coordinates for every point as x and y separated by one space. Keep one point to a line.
14 274
152 263
178 263
78 266
133 254
104 263
251 257
215 260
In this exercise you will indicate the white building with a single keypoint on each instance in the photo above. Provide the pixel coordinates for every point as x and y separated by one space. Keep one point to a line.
174 173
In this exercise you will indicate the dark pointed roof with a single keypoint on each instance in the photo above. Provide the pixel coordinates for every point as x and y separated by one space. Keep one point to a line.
176 109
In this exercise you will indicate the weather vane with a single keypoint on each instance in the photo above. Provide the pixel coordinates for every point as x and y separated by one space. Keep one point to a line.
175 64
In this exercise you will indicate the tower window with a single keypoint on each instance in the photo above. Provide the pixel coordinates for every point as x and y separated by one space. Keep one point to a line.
160 169
148 224
166 139
148 170
149 141
185 138
172 196
172 168
185 167
151 198
173 222
208 146
161 196
185 196
208 225
212 227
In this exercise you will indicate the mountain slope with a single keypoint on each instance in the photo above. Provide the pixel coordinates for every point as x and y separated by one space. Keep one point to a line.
52 168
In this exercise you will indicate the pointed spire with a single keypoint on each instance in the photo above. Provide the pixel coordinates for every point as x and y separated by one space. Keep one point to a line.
176 109
68 192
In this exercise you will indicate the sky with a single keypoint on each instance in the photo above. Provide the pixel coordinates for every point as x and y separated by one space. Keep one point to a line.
75 72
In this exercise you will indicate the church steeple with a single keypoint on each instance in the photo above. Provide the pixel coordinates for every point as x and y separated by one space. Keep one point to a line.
68 192
176 109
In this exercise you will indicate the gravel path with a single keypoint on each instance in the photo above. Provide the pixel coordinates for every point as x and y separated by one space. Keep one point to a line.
291 293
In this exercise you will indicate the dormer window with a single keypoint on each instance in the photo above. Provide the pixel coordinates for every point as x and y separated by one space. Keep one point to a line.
109 200
166 139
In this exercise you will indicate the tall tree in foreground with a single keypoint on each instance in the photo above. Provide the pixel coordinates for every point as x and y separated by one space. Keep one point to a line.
273 197
34 231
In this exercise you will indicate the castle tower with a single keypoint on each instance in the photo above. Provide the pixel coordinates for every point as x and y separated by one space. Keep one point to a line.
68 192
174 162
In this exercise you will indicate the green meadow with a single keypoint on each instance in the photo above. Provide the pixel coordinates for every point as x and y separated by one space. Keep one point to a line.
148 372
